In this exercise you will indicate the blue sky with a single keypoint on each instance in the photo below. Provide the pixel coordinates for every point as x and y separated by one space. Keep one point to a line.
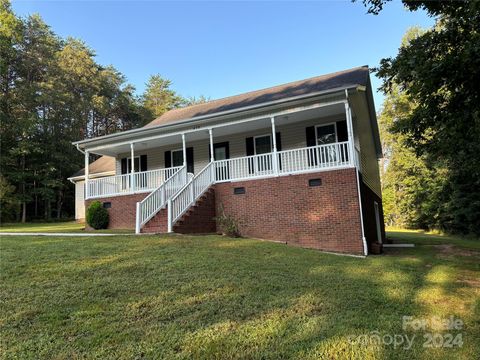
219 49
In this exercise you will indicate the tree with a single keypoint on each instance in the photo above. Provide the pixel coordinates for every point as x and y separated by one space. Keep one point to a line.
52 93
158 97
439 72
192 100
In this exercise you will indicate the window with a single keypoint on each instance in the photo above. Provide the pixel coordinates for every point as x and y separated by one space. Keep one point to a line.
326 134
177 157
220 153
263 144
136 164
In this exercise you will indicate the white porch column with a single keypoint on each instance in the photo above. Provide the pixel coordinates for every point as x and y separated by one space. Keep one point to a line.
184 146
87 174
132 167
351 141
212 155
274 142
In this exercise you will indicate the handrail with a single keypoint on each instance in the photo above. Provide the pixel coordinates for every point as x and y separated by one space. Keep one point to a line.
157 199
186 197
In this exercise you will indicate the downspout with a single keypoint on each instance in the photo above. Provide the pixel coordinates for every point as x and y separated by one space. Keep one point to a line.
364 240
78 148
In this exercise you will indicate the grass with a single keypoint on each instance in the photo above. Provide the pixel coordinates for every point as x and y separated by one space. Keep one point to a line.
205 297
420 237
55 227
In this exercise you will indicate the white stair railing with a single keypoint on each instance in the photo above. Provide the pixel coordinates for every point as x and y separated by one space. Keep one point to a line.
157 199
189 194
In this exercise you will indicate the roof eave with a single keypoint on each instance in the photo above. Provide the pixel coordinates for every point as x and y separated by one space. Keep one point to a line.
94 175
212 116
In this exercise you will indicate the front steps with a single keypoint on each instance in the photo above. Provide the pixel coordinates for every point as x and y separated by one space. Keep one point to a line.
198 219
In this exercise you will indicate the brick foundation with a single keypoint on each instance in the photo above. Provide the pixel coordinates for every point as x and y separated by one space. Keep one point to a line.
158 224
286 208
122 210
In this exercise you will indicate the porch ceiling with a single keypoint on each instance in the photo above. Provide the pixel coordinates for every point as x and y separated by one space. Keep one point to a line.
223 129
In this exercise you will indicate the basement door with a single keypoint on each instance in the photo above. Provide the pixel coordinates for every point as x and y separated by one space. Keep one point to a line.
377 222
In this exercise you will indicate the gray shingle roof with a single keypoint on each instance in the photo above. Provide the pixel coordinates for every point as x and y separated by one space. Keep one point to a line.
355 76
101 165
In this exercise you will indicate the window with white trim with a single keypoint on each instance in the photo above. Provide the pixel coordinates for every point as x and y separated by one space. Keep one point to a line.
326 134
177 157
263 144
136 164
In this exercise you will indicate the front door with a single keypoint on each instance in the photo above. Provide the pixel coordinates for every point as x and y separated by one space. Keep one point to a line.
221 151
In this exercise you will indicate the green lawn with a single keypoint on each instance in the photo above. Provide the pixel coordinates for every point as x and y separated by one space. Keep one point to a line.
424 238
146 297
54 227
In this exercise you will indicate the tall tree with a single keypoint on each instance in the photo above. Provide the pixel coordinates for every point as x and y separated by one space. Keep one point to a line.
52 93
439 71
158 97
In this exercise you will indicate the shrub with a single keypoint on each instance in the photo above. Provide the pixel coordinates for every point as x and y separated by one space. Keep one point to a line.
97 216
228 224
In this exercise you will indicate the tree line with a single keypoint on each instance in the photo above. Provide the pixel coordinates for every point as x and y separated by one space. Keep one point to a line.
53 92
430 121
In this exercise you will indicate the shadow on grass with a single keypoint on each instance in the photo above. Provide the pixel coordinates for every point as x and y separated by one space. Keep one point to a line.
211 297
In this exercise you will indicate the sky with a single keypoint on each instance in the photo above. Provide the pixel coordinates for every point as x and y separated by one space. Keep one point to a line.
219 49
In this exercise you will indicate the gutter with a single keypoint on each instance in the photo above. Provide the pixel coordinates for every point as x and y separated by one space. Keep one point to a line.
91 176
216 115
78 148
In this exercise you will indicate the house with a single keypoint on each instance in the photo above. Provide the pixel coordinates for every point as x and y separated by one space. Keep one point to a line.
296 163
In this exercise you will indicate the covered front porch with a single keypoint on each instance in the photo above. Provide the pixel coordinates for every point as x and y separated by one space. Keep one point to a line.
310 139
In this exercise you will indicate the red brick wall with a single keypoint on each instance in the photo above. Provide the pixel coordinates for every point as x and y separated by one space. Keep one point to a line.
122 212
157 224
286 208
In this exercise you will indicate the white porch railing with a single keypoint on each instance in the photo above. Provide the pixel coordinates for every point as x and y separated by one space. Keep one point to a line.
313 158
126 183
187 196
244 167
288 162
157 199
